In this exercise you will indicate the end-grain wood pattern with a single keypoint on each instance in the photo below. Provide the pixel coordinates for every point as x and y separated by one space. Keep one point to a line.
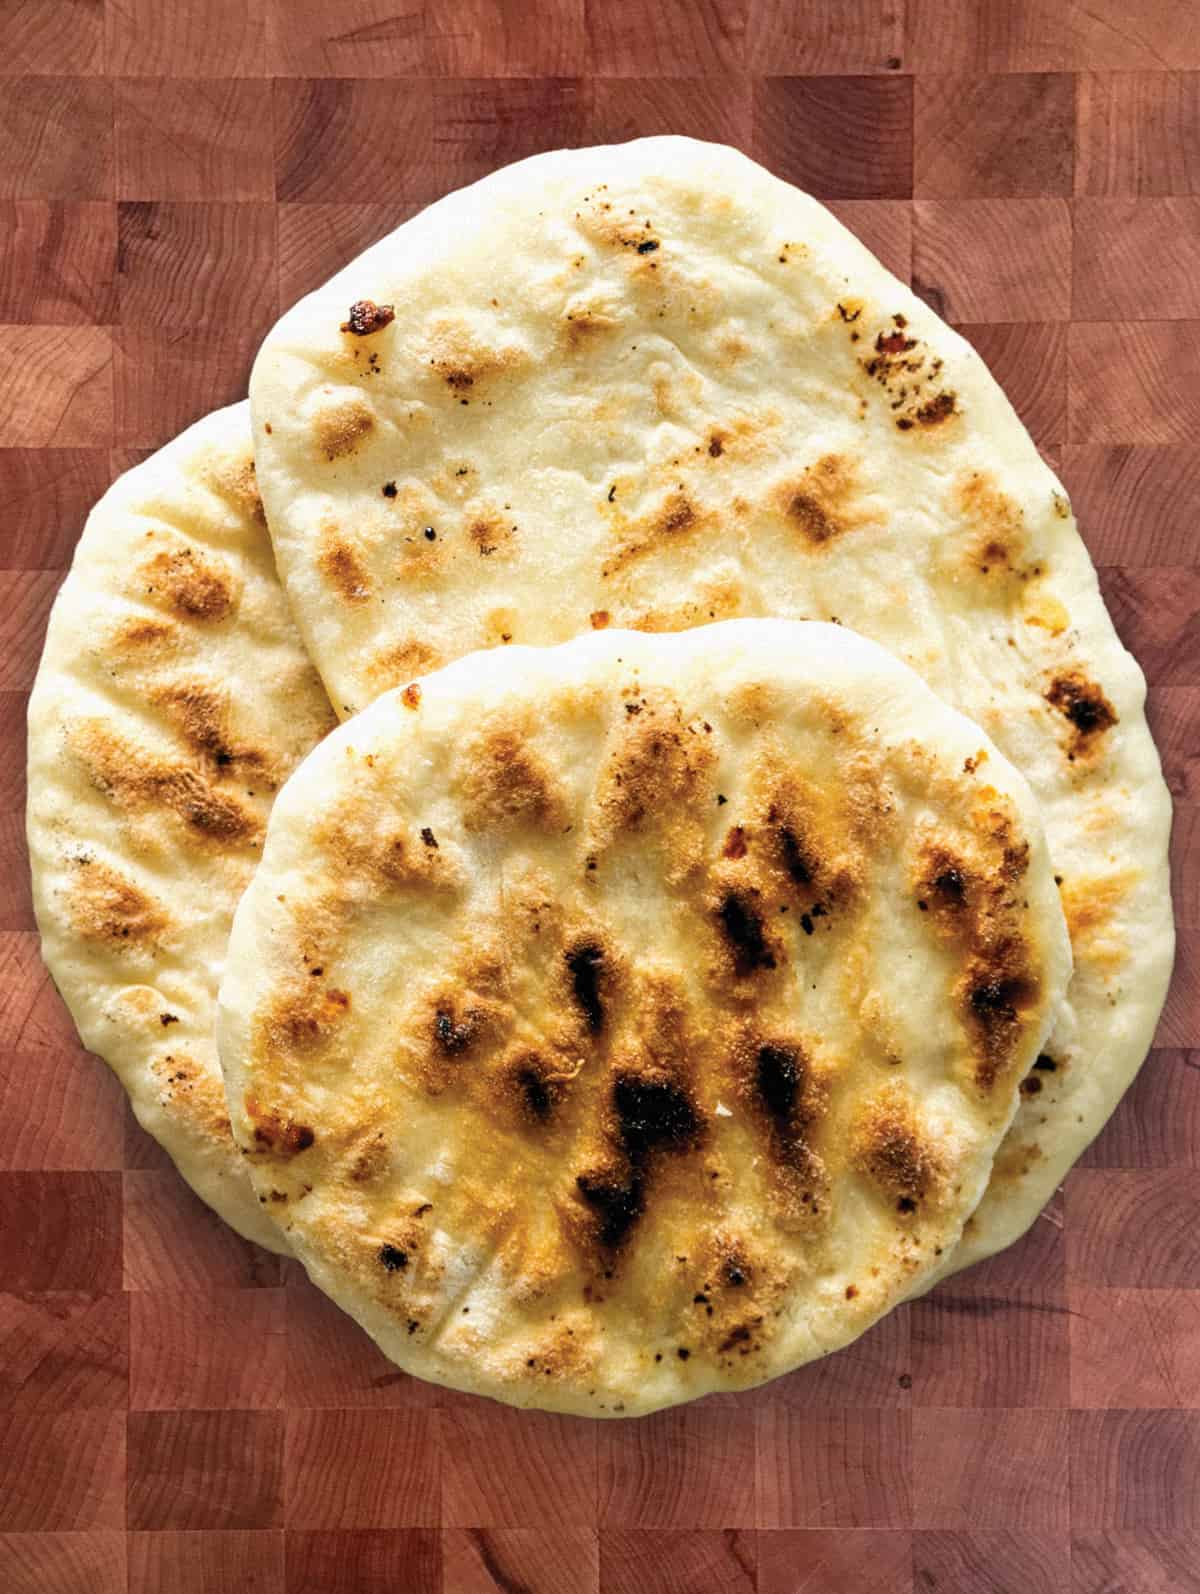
180 1412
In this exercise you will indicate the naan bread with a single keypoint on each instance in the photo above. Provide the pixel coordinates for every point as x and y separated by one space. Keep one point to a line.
652 386
612 1023
172 701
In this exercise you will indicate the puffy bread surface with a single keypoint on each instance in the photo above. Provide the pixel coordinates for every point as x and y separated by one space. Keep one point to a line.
652 386
172 700
612 1023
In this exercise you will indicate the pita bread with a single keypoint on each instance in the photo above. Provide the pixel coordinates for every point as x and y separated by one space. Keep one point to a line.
612 1023
652 386
172 700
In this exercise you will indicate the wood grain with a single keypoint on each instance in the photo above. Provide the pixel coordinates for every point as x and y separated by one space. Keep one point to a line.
181 1412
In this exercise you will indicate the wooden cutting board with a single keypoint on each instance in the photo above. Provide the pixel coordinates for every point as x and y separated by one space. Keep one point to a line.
180 1412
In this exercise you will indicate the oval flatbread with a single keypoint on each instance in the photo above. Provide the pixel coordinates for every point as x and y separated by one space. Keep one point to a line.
172 701
616 1022
652 386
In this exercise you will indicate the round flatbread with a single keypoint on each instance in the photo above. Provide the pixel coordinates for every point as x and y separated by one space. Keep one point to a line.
612 1023
172 701
652 386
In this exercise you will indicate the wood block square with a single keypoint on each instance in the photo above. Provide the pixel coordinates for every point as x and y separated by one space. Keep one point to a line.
983 36
353 141
45 497
165 378
480 124
331 1362
885 226
205 1469
823 1561
1135 506
63 1563
1029 360
810 36
364 1469
1155 616
19 1007
51 37
836 1469
1133 1228
975 1348
56 138
64 1108
60 1231
837 137
993 259
1135 1348
554 1561
993 137
1185 877
204 1350
221 38
25 600
173 1241
356 38
633 1562
184 265
64 1352
673 38
1146 1560
1137 259
200 141
493 38
1139 133
691 1468
1133 381
994 1469
58 389
366 1561
1135 1469
207 1563
1115 36
1157 1124
315 241
62 1471
982 1563
16 908
508 1470
60 261
711 108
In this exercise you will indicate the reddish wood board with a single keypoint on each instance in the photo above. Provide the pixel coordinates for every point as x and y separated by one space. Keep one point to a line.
180 1412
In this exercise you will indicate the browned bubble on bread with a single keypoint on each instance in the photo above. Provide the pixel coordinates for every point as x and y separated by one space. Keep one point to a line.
195 585
139 782
366 318
895 1152
823 502
339 561
342 426
107 908
1086 709
505 781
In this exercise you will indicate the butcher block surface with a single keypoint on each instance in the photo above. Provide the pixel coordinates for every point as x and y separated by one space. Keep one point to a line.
181 1412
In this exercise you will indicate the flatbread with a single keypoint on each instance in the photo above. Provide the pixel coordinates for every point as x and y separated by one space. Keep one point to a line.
652 386
617 1022
172 700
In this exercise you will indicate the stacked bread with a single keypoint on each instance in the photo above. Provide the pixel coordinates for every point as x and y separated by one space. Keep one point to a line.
737 889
